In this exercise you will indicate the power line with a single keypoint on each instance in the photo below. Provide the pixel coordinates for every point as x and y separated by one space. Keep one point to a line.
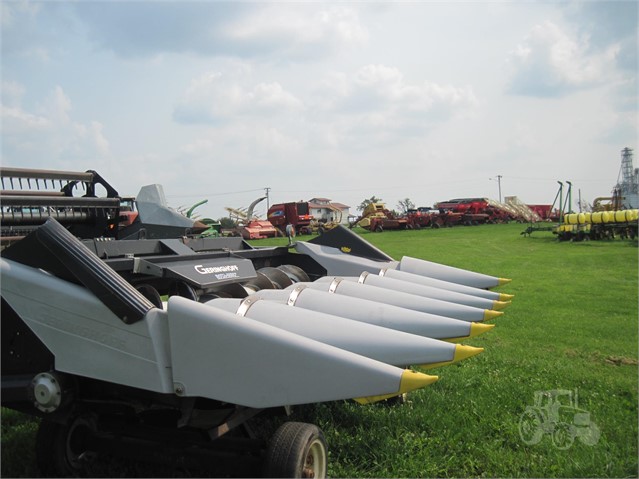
208 195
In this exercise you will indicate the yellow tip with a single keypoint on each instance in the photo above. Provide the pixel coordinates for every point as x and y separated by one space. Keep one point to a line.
490 314
479 328
476 329
499 305
409 381
461 352
412 380
506 297
503 281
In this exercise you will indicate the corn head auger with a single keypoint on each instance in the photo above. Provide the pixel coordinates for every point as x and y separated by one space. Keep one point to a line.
165 346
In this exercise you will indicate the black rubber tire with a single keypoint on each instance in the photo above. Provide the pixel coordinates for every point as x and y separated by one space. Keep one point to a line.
150 293
59 448
297 449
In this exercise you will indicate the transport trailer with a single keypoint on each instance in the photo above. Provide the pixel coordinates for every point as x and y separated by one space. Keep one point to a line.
131 347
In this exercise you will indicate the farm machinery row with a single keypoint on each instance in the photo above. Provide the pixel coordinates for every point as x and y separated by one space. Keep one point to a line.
376 217
174 346
460 211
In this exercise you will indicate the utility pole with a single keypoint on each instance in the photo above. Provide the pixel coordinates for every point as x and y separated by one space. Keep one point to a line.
267 191
498 184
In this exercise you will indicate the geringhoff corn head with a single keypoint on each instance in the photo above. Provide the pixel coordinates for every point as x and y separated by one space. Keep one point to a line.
161 348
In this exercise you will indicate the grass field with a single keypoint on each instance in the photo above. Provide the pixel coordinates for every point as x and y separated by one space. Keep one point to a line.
572 326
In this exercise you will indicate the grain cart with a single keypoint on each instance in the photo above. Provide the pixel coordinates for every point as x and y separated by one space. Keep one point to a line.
171 348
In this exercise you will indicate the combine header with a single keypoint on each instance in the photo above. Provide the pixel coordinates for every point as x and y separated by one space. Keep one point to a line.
87 206
30 197
161 347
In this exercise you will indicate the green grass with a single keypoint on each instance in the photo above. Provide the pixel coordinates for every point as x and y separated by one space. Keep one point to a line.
572 325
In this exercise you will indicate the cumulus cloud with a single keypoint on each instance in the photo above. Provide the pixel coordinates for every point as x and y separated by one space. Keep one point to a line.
249 142
375 106
372 107
214 98
608 23
378 104
140 29
552 62
49 134
28 30
300 33
379 88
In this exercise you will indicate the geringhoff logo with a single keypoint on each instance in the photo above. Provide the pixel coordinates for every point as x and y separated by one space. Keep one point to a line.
229 268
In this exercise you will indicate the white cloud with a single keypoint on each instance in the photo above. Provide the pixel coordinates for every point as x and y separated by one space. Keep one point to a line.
27 29
245 143
379 88
49 134
10 12
12 93
553 62
378 105
298 32
272 98
215 97
374 107
295 31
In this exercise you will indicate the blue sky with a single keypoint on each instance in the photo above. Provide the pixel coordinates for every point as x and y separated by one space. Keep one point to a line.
346 100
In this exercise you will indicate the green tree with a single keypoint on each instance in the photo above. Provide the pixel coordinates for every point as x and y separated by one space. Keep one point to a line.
227 223
373 199
405 205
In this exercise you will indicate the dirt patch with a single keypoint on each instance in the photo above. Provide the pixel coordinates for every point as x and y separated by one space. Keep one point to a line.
621 361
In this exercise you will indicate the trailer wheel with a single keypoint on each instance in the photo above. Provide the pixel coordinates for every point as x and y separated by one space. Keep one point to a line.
61 448
150 293
297 449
